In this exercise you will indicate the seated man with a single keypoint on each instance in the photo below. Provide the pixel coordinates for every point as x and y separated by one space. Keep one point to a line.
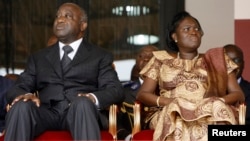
237 56
5 84
142 58
131 87
65 86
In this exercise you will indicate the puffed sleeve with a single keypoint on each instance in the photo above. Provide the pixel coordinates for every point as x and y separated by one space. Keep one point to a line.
152 69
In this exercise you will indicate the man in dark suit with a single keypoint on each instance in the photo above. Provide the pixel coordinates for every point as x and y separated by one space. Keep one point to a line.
5 84
236 54
131 87
143 55
67 97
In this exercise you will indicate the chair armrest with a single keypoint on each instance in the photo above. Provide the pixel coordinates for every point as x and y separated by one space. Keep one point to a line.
137 119
242 114
112 121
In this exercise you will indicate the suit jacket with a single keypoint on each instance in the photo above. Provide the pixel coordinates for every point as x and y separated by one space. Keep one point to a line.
5 85
130 90
245 86
90 71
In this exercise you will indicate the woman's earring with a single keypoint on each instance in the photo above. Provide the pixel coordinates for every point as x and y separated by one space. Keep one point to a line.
176 41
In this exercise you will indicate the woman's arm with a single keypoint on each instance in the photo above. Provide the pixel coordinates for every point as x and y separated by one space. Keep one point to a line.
147 96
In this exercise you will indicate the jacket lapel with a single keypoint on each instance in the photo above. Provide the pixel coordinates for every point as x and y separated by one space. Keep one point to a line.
54 58
82 53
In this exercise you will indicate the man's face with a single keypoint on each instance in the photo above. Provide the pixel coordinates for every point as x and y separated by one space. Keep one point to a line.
237 58
68 25
144 56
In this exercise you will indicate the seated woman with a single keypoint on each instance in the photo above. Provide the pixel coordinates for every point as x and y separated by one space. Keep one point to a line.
195 89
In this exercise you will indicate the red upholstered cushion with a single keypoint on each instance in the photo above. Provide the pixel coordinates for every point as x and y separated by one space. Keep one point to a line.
54 135
65 136
106 136
145 135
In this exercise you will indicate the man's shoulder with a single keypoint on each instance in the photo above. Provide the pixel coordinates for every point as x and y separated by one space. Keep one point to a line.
5 83
245 86
132 85
46 50
5 79
245 82
93 47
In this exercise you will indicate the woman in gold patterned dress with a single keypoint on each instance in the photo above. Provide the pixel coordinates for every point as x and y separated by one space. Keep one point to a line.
195 89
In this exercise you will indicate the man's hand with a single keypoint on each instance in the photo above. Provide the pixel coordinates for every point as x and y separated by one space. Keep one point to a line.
90 96
25 97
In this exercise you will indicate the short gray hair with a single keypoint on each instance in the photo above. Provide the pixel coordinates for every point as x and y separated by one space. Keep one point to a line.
84 16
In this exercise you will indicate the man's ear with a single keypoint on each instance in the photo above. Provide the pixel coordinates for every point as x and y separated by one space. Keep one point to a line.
84 26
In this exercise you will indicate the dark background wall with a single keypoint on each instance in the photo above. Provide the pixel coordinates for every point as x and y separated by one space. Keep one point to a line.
26 26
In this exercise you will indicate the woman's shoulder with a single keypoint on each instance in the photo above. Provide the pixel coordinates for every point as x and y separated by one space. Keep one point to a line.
163 55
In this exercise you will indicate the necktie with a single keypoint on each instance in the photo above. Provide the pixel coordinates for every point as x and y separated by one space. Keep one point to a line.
65 59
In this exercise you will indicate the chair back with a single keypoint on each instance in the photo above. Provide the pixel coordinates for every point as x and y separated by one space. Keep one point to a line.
112 121
137 119
242 114
127 108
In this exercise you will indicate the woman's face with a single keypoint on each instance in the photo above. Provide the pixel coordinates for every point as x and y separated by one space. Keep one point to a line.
188 34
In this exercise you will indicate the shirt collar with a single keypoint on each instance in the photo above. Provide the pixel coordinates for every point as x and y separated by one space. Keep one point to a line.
75 45
239 80
141 80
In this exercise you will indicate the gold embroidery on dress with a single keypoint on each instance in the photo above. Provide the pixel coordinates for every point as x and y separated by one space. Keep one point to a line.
188 64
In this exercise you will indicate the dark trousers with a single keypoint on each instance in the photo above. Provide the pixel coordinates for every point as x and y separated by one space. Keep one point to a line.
25 120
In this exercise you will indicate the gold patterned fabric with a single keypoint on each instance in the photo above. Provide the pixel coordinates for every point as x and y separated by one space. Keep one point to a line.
187 117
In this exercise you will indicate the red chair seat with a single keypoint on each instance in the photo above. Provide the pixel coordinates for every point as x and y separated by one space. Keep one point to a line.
64 136
106 136
54 135
143 135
